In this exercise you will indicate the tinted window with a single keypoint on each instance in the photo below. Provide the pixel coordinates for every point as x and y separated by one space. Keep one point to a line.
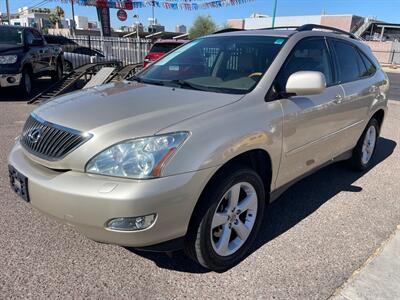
351 66
164 47
51 39
226 64
29 37
307 55
10 35
84 51
370 68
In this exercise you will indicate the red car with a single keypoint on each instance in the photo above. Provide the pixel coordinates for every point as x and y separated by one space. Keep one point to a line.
160 48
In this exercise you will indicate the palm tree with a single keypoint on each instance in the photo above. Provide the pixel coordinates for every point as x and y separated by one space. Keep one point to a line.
56 16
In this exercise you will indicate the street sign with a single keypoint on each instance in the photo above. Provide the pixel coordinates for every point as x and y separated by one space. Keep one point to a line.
122 16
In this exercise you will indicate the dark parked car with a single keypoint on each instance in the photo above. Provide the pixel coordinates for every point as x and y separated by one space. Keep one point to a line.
25 55
66 44
160 48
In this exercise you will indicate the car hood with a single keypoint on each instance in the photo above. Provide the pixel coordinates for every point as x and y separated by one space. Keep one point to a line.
10 47
138 108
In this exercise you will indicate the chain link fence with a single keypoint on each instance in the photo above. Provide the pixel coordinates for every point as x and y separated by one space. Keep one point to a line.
91 49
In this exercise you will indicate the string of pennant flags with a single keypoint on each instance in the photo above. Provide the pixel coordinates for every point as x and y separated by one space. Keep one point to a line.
170 4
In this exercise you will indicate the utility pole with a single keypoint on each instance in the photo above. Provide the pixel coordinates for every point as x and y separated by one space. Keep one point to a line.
153 21
8 12
73 17
274 14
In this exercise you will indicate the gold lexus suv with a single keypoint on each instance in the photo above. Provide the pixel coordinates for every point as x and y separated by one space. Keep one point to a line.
190 152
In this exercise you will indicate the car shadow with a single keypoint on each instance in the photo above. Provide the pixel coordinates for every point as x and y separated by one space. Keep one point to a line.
296 204
13 94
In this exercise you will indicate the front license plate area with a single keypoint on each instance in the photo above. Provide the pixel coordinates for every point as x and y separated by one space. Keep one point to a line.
19 183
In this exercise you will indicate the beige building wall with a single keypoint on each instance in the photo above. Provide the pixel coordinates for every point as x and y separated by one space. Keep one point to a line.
383 51
236 23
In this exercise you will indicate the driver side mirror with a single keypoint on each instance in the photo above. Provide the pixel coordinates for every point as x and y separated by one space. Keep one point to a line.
305 83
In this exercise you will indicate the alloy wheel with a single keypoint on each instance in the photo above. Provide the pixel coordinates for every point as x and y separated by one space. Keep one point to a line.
234 219
368 145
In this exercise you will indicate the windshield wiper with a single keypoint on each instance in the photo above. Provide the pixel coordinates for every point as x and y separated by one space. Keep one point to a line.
186 84
141 80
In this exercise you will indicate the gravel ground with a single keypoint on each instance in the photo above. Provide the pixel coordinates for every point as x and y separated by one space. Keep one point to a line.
314 237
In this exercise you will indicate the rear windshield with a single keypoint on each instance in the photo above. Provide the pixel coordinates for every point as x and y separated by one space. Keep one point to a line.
225 64
164 47
10 35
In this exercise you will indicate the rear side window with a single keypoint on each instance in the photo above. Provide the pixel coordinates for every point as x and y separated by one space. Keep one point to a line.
370 68
164 47
307 55
350 64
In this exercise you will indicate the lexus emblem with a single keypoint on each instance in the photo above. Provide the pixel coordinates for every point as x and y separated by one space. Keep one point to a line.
34 135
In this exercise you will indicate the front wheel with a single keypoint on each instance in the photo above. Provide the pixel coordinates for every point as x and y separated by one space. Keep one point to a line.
225 225
365 148
26 82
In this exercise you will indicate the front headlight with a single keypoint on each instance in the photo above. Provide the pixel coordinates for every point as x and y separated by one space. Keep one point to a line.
8 59
137 158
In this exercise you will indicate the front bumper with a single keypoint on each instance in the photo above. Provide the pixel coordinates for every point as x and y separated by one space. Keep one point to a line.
89 201
7 80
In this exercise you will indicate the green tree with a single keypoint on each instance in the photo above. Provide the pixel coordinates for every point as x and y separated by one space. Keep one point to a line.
202 25
56 16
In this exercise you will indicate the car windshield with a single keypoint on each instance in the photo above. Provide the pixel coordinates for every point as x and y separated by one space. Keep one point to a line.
225 64
9 35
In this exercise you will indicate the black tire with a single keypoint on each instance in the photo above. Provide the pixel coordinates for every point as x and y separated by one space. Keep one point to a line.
68 66
26 82
58 73
356 161
198 240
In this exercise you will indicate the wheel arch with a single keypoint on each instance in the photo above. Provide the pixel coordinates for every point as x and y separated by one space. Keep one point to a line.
254 159
379 115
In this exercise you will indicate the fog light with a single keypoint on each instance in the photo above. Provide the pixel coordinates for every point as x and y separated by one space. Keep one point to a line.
11 79
131 223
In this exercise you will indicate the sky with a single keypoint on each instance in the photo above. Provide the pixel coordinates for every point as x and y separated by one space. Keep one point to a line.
385 10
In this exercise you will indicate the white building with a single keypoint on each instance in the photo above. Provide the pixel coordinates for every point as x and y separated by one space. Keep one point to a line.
32 17
257 21
82 22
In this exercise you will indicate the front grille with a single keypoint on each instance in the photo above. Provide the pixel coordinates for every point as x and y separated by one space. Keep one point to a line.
50 141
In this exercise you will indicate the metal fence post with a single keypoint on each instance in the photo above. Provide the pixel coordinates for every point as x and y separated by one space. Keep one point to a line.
89 42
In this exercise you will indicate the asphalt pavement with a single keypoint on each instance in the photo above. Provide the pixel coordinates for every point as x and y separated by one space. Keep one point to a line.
314 237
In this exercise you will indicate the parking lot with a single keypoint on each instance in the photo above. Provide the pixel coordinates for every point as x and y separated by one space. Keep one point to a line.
314 237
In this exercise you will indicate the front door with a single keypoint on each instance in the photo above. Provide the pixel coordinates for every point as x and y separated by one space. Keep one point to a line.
310 128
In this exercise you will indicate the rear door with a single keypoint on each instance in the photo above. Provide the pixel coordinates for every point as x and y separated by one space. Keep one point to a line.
46 56
356 75
310 127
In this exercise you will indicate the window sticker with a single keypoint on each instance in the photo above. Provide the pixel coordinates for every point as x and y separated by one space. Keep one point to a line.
279 41
174 68
174 54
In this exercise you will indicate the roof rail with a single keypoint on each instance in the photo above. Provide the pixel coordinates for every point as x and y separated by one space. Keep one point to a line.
279 27
228 30
308 27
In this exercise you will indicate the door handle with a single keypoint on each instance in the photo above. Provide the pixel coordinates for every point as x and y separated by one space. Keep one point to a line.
338 99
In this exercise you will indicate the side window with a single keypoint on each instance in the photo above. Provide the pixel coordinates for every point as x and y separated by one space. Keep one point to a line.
84 51
308 55
351 66
371 69
29 37
37 36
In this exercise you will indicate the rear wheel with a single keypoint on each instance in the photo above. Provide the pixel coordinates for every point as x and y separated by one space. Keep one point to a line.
58 73
365 148
225 225
68 66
